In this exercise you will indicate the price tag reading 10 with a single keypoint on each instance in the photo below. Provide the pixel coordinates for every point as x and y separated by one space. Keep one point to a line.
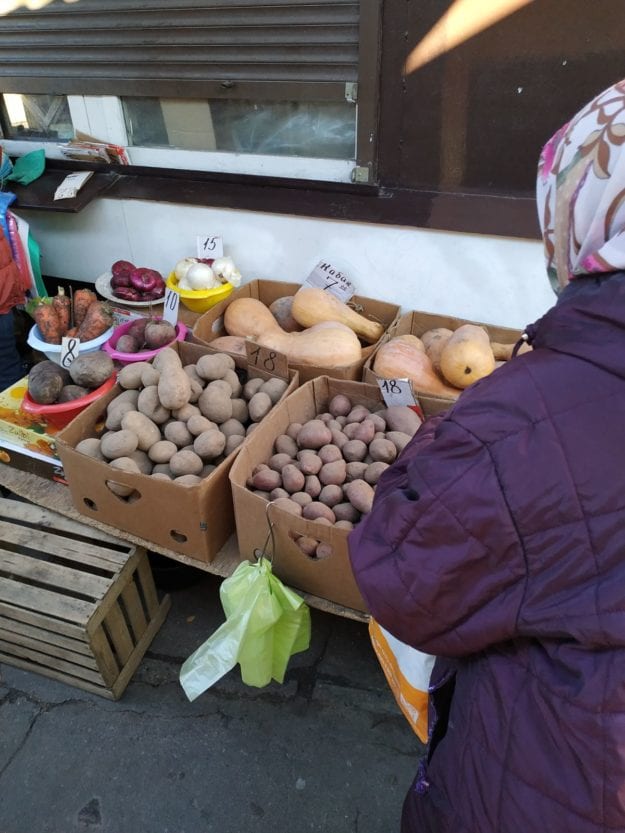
170 307
210 246
397 392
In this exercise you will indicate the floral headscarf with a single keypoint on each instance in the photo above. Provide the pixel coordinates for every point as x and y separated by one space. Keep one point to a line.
581 191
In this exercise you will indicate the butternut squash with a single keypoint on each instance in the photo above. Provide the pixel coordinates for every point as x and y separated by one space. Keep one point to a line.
312 305
467 356
324 345
503 352
230 344
434 340
398 359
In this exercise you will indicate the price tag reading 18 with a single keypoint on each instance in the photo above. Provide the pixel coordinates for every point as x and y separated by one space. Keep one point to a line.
399 392
326 276
210 245
170 306
264 358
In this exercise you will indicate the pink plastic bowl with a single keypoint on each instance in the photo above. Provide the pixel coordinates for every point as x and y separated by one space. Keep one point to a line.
63 413
144 355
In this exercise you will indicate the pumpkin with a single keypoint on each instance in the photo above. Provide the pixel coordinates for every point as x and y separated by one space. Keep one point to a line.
312 305
325 345
415 341
467 356
281 310
399 359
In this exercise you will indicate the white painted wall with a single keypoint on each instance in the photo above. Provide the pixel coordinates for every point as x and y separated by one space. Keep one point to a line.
491 279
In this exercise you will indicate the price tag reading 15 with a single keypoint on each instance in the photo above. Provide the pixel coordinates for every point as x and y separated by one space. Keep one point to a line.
210 245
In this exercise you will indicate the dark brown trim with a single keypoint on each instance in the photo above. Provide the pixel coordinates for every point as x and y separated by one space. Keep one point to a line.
474 213
172 88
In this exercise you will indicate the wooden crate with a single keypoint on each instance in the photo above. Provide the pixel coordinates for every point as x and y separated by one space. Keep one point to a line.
75 604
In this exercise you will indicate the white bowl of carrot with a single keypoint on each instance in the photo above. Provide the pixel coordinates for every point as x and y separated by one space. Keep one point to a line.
53 351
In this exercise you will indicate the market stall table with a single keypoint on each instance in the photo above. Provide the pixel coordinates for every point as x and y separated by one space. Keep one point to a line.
57 497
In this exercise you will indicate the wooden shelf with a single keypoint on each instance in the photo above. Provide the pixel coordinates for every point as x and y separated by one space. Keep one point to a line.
39 194
57 498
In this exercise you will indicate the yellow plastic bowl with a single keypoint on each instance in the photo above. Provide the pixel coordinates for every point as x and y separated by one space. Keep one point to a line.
199 300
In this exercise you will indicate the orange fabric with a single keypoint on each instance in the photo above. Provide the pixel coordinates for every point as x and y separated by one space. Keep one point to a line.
412 701
11 291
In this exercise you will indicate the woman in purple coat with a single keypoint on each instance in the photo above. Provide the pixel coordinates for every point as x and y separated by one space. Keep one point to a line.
497 540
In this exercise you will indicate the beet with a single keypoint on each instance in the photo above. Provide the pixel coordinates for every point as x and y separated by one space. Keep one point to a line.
137 329
128 344
159 334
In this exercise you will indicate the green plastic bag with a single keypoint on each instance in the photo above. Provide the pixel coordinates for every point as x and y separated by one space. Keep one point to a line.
27 168
266 623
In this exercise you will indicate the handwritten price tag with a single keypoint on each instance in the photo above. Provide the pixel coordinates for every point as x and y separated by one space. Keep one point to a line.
263 358
326 276
399 392
171 304
70 348
210 246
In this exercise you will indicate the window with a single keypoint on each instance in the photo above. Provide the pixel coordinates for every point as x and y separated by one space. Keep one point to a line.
287 88
44 117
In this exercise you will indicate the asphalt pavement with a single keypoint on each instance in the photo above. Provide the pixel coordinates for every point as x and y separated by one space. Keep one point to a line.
328 750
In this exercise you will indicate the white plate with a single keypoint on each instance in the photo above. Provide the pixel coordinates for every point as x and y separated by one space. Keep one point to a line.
103 286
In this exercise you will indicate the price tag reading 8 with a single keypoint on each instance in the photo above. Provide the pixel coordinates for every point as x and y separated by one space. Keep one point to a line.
397 392
210 245
171 304
328 277
263 358
70 348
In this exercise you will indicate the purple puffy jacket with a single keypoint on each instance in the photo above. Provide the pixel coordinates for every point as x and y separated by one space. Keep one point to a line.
497 543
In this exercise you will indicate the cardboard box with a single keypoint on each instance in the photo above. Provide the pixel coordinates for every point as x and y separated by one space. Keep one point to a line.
416 323
77 605
27 441
195 521
210 325
330 578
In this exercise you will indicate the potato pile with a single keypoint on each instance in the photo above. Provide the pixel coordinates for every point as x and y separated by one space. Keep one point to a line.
179 422
327 468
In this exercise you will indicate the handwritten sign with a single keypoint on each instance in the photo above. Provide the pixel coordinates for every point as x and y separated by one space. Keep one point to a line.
171 304
399 392
70 348
263 358
210 245
328 277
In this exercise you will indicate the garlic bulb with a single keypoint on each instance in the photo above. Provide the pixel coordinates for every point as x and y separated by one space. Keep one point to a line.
181 268
201 276
226 271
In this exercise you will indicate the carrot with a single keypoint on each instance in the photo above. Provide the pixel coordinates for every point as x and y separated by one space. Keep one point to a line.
97 319
46 318
83 298
63 307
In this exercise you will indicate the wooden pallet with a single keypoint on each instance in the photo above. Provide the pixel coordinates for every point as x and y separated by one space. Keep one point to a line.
76 604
